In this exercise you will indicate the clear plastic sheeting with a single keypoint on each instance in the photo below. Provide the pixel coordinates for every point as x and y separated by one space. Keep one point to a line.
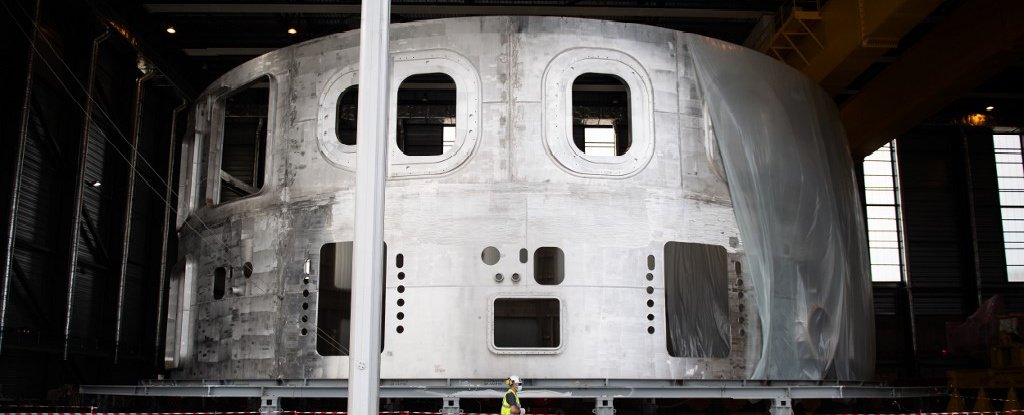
697 300
798 210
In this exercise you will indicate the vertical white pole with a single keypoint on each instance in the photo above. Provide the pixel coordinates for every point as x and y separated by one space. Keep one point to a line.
371 171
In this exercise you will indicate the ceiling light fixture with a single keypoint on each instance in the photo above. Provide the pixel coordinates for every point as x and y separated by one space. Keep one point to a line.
96 184
171 30
989 108
292 31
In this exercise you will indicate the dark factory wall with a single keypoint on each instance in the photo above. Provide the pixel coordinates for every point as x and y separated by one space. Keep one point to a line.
954 249
51 339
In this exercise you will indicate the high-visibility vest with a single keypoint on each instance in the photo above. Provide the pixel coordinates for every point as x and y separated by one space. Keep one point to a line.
506 406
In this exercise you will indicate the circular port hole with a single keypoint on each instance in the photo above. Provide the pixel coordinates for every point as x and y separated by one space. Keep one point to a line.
490 255
401 302
650 317
498 277
305 306
401 275
515 277
650 290
650 329
400 315
650 277
305 280
304 332
305 293
305 319
401 288
650 303
247 269
399 329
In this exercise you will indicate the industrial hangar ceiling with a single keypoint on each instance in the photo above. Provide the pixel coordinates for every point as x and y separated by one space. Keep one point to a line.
890 65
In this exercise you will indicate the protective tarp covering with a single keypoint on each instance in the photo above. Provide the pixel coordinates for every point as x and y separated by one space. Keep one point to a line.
697 300
793 189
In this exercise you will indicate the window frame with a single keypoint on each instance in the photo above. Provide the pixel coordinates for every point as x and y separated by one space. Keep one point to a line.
215 155
897 207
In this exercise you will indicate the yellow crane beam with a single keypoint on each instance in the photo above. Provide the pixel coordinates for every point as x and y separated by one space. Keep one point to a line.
964 49
837 43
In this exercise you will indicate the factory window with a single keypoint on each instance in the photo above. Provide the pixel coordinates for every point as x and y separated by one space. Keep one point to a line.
348 111
334 302
884 215
1010 178
425 125
696 300
244 139
526 323
177 334
549 266
600 115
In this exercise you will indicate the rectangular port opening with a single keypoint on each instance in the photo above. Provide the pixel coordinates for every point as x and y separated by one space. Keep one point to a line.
244 141
527 323
334 299
696 300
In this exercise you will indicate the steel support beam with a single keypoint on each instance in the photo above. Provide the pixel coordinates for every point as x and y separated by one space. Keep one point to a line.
458 10
129 204
19 163
165 236
554 389
371 172
79 185
976 41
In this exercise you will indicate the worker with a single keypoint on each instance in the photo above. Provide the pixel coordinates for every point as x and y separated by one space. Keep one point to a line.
510 403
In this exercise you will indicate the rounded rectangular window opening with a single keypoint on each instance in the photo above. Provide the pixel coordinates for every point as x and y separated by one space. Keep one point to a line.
549 265
527 323
347 113
600 115
244 139
426 120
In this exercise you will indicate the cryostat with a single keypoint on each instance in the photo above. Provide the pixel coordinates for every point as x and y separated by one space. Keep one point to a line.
566 199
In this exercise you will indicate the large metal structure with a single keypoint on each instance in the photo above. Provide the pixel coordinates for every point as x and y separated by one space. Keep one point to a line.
519 236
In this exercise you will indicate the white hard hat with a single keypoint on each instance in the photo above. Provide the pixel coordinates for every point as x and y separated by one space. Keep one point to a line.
515 379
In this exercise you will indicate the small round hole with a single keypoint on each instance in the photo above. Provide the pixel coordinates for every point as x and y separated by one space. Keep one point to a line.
247 269
515 277
304 332
401 302
305 280
399 329
305 293
650 290
498 277
490 255
740 294
399 260
305 319
401 288
650 317
400 315
650 329
650 303
305 306
650 277
401 275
